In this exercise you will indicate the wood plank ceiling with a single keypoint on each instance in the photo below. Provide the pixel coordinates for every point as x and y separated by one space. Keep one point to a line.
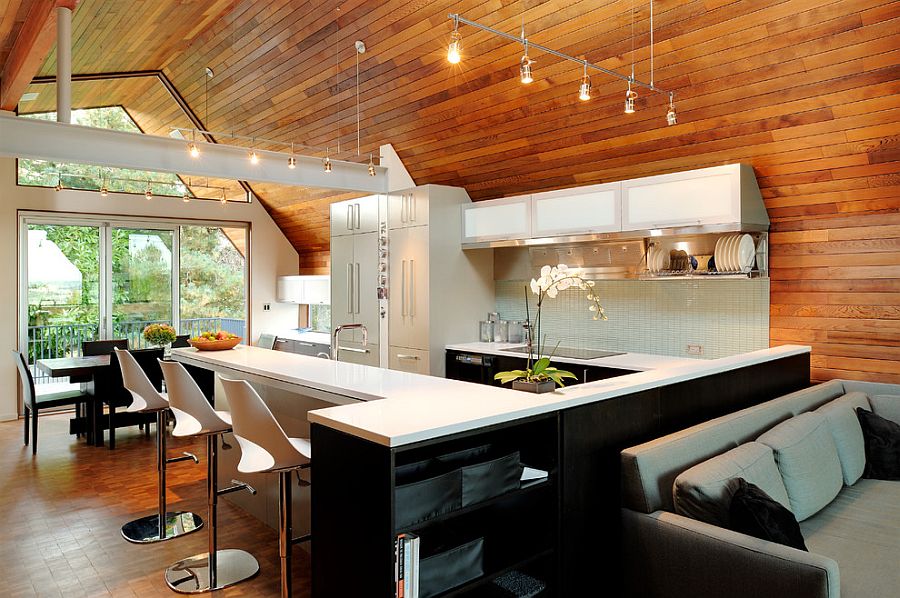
804 90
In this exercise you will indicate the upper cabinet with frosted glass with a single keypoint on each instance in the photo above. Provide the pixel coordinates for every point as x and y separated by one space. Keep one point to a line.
504 219
592 209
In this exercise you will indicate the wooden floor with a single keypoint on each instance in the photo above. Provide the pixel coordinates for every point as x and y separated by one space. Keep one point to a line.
60 514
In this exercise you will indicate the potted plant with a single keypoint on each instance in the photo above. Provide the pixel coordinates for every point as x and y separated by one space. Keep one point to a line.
542 377
159 335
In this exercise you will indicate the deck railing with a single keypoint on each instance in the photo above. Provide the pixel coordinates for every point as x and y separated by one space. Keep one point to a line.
64 340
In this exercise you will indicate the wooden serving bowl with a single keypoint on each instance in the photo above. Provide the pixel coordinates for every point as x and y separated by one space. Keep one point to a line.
204 345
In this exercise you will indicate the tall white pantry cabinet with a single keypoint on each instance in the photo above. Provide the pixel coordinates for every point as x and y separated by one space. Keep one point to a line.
436 293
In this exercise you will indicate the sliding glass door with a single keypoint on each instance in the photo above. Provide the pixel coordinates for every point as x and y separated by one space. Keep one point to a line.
83 280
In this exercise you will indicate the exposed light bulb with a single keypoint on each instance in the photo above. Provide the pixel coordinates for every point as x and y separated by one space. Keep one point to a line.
58 186
292 162
186 197
371 166
254 157
224 199
525 70
149 192
193 151
584 92
103 190
454 50
630 96
671 118
326 164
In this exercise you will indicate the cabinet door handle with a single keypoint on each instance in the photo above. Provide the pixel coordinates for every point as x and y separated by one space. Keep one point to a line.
356 286
304 344
403 289
349 216
403 208
357 211
349 288
280 340
412 208
412 287
408 357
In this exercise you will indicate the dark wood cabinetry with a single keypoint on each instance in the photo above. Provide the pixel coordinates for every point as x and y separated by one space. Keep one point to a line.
563 531
460 366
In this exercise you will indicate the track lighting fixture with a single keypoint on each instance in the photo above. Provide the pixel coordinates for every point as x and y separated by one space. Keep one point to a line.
254 157
292 161
59 185
454 55
186 197
525 67
326 162
149 192
193 151
671 118
103 189
630 96
371 166
584 92
454 50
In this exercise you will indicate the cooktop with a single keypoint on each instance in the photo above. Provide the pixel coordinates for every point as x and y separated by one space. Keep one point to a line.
571 352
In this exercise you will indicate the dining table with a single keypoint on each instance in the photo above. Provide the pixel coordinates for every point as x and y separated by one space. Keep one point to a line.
89 371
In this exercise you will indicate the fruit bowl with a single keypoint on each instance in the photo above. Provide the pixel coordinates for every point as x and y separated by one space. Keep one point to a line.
202 344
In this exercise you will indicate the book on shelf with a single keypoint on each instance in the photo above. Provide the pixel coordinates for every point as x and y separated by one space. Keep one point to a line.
406 565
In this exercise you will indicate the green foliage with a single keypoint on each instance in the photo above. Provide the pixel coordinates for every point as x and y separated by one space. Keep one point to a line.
540 372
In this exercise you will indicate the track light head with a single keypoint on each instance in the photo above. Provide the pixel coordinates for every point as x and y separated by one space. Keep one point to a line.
371 166
104 191
193 151
292 162
254 157
454 50
630 97
671 117
186 197
584 92
326 164
149 192
525 69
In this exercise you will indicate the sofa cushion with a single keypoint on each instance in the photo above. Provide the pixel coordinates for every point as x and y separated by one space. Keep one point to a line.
847 433
753 512
887 406
882 438
808 462
704 491
860 529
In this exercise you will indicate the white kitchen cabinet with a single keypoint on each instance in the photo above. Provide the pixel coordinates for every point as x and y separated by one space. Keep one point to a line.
409 306
503 219
354 271
408 208
405 359
308 290
354 216
594 209
693 198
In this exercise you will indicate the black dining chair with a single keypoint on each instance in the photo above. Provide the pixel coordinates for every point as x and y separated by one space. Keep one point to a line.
181 341
109 388
34 402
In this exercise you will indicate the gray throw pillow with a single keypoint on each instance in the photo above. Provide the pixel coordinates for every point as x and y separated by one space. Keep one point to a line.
808 461
847 433
704 491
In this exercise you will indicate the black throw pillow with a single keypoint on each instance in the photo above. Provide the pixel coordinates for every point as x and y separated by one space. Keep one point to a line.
755 513
882 438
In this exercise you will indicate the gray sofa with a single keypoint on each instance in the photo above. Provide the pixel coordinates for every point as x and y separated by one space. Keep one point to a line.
853 540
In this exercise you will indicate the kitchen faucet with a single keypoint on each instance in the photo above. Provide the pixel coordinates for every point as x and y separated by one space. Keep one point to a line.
341 328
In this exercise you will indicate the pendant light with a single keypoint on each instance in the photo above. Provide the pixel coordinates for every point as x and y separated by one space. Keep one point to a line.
454 50
371 166
630 96
671 118
59 186
224 199
254 157
525 67
292 161
149 192
103 189
584 92
192 147
326 162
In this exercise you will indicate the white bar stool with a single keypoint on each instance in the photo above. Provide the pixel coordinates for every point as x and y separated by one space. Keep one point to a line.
165 525
194 416
265 447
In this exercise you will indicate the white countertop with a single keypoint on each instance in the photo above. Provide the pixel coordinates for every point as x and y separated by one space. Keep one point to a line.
416 407
638 362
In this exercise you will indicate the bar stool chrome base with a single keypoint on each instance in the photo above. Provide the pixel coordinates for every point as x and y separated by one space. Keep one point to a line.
192 575
146 529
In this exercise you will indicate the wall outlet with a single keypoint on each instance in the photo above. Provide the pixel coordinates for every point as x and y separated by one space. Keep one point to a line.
695 349
267 306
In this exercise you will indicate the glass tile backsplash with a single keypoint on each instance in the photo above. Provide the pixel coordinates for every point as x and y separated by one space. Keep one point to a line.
722 317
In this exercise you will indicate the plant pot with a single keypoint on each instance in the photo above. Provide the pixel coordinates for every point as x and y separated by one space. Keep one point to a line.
535 387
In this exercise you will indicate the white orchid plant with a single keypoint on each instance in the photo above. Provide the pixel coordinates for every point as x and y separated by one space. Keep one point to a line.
552 281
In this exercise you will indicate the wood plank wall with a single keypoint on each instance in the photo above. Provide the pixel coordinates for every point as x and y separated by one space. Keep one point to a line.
806 91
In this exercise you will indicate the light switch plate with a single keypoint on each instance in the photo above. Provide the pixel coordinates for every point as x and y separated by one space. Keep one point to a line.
695 349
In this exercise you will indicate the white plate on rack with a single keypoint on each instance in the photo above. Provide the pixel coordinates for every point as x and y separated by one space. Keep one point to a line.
746 253
726 255
719 255
733 260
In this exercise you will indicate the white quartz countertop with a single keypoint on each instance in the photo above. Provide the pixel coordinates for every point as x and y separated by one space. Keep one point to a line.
398 408
638 362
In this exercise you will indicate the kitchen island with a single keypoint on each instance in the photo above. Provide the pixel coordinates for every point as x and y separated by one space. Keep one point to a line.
368 424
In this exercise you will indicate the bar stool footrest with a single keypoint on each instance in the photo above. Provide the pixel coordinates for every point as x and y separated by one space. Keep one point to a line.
301 539
192 575
184 457
146 529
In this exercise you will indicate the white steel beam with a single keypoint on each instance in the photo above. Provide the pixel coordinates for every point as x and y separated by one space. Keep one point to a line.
60 142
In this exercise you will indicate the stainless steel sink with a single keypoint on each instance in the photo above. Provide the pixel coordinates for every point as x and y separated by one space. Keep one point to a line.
571 352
